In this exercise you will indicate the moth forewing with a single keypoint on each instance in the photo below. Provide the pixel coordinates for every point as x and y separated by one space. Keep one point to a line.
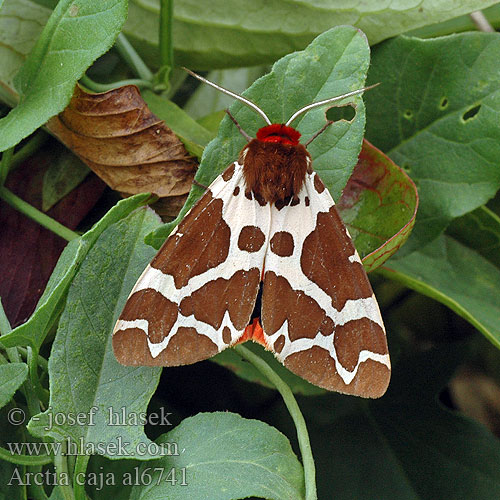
197 295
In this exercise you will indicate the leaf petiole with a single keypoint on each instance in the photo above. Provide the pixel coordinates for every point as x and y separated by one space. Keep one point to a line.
295 413
132 58
38 216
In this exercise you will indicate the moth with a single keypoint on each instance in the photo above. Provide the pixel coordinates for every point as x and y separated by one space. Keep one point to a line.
266 222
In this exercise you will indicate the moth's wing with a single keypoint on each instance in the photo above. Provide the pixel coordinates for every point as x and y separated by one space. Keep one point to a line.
197 295
319 314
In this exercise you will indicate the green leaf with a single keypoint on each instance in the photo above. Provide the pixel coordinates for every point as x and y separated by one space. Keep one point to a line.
224 456
226 34
12 375
64 174
423 117
422 450
212 121
458 24
378 206
83 371
457 276
194 136
480 231
50 305
333 64
115 469
21 22
75 35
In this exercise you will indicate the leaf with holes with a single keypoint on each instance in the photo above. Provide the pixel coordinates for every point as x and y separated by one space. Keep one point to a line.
281 93
443 128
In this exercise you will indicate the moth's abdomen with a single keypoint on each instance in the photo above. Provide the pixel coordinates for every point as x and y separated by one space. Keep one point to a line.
274 171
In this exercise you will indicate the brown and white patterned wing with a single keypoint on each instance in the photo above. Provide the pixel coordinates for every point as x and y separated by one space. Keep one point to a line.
197 295
319 314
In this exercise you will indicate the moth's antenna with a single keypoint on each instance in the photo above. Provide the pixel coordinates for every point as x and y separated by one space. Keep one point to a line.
244 100
327 101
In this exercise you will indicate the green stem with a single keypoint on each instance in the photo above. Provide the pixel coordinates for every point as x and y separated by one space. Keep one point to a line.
105 87
13 354
41 392
24 459
61 466
41 361
5 164
80 470
296 414
35 214
166 44
132 58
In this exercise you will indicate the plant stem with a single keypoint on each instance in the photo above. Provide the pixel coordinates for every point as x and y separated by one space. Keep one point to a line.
5 164
296 414
41 392
42 362
165 42
32 145
38 216
13 354
61 466
105 87
24 459
132 58
80 470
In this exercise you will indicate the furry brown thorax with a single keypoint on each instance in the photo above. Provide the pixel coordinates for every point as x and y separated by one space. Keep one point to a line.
275 164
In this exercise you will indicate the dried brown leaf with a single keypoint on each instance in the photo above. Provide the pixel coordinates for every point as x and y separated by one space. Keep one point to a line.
125 144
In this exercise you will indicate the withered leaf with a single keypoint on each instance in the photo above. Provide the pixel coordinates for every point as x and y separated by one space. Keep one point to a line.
125 144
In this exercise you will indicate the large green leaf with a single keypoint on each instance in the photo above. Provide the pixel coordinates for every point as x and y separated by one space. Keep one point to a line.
82 368
75 35
456 275
436 114
334 63
21 22
226 457
223 34
480 231
50 305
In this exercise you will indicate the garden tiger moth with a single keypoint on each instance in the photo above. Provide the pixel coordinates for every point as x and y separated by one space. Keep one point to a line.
267 221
